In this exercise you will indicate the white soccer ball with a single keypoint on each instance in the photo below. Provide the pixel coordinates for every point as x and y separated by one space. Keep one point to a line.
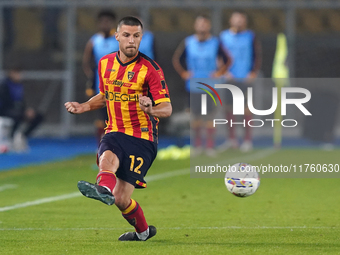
242 180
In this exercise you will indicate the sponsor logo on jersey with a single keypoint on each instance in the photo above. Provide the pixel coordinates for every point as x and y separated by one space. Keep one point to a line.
118 83
114 82
121 97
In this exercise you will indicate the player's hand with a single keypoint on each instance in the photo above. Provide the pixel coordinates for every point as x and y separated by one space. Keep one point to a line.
145 104
251 77
74 107
229 76
216 74
186 75
89 92
30 113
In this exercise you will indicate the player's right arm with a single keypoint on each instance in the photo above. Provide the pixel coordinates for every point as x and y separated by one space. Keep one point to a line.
180 54
87 58
87 67
96 102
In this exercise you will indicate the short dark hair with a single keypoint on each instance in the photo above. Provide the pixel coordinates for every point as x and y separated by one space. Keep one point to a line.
203 16
108 14
129 21
240 12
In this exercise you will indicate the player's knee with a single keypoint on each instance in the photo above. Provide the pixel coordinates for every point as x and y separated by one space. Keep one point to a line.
121 201
106 163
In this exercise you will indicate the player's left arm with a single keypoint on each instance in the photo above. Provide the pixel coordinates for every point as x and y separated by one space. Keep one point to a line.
157 103
224 61
257 58
87 68
161 110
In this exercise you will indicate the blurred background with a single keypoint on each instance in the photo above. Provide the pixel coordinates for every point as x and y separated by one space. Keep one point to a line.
48 37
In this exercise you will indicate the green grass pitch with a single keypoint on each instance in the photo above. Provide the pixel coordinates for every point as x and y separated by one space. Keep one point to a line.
192 215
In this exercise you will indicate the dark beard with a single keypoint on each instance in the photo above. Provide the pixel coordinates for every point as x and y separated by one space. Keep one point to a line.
129 54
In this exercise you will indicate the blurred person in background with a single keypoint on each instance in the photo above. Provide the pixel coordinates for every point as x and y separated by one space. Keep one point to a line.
12 105
147 45
198 56
100 44
245 50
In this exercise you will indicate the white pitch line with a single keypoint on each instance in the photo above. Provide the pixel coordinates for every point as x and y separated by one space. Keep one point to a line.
8 186
40 201
162 176
78 194
171 228
258 227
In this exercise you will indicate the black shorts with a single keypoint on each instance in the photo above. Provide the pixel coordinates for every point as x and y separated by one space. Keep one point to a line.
135 156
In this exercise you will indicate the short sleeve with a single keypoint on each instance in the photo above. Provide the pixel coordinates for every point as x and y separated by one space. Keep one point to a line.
157 86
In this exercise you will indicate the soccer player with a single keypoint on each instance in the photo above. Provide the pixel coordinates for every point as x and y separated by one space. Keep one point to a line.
198 57
245 50
100 44
133 88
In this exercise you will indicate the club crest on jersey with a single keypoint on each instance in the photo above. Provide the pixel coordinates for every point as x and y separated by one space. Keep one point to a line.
130 75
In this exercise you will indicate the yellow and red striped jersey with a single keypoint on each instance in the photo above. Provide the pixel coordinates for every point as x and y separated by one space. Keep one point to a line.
122 83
